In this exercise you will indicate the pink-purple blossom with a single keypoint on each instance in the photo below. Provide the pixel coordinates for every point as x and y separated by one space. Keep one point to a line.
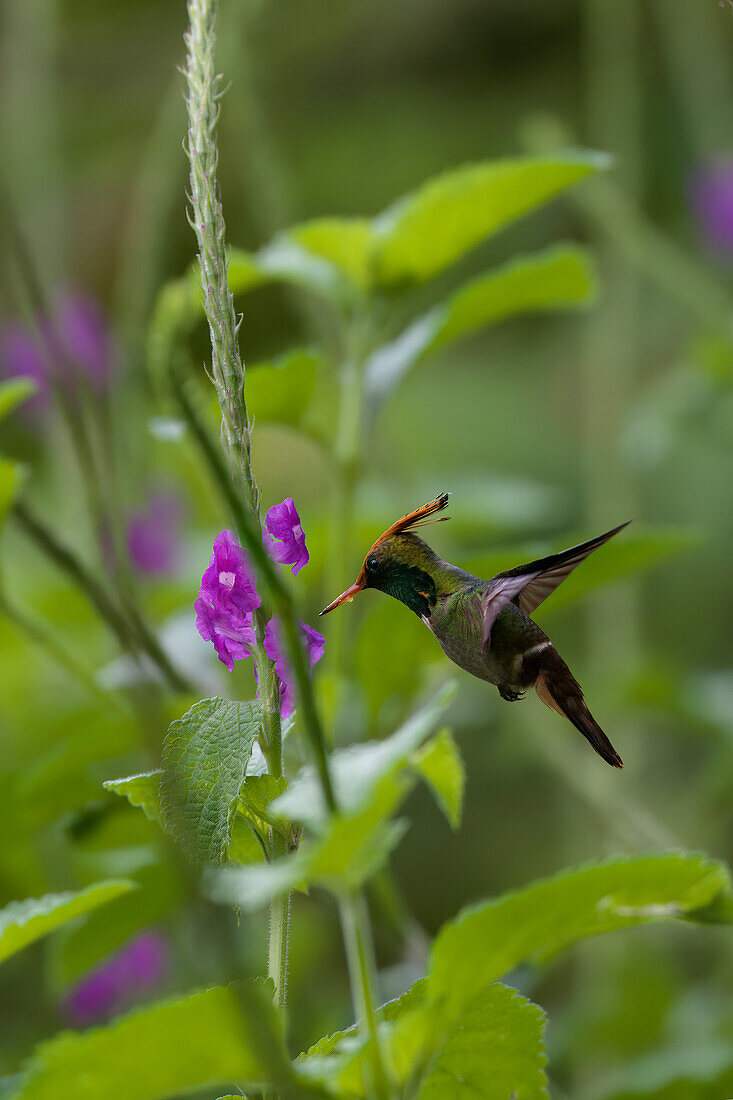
712 203
138 968
227 598
285 540
84 339
154 534
314 644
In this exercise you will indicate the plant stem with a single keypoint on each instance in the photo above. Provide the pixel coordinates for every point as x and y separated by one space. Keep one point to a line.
360 957
228 376
277 952
131 636
39 633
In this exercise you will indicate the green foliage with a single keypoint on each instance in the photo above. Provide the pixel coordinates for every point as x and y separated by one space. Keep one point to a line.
555 279
205 757
22 922
441 766
141 790
13 393
427 231
11 478
175 1046
281 390
487 940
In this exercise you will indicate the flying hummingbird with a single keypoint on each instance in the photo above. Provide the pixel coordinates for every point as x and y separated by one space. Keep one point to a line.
485 626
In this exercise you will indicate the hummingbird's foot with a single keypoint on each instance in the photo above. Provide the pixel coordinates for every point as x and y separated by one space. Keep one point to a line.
509 695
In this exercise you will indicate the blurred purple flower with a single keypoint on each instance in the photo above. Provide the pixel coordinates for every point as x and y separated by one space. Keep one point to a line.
153 535
315 645
139 967
84 337
712 202
21 356
227 598
283 523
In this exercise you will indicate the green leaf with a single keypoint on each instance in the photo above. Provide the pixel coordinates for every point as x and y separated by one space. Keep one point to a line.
14 392
22 922
205 756
557 278
281 390
489 939
255 796
441 766
687 1070
357 770
12 475
433 227
176 1046
141 790
349 851
495 1050
344 242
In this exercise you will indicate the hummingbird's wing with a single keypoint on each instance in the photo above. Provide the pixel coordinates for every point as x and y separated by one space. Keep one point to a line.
528 585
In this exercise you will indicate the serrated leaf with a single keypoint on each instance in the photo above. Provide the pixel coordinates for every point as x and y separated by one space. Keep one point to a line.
22 922
495 1050
141 790
356 771
441 766
429 230
557 278
205 757
487 940
13 392
160 1051
347 853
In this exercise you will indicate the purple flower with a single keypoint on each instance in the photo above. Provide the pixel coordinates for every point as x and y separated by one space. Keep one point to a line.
283 524
315 644
86 338
227 598
140 966
153 536
712 202
21 355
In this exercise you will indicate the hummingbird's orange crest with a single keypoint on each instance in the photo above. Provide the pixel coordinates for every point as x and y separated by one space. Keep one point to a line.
408 522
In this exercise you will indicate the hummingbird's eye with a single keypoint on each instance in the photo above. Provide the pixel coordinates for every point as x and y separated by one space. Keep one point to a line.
372 565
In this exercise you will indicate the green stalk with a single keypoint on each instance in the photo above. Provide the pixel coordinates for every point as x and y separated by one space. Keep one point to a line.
131 636
40 635
228 376
360 958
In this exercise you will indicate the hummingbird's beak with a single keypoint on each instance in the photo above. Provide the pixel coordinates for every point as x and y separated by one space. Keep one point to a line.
345 597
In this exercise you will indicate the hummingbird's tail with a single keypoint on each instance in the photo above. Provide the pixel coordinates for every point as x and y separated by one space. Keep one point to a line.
558 689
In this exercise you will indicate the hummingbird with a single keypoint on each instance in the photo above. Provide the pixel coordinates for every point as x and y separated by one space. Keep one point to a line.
484 626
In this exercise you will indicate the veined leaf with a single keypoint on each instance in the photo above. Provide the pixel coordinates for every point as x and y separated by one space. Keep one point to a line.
163 1050
441 766
22 922
489 939
430 229
205 757
557 278
13 392
141 790
495 1050
356 771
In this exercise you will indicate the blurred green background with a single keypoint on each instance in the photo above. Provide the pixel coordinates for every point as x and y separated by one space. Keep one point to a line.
546 429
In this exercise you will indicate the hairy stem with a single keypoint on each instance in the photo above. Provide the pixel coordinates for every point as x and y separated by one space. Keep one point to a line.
228 375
